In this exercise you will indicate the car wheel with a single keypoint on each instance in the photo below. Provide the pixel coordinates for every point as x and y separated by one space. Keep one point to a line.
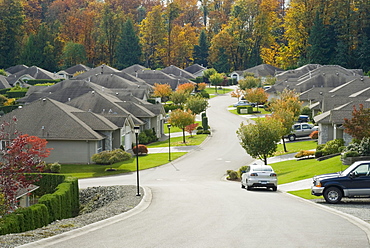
243 187
291 137
274 188
333 195
249 187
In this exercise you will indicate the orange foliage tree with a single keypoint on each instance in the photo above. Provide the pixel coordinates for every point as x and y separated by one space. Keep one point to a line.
163 91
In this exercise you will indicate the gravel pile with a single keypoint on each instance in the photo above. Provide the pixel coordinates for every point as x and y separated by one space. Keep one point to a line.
97 203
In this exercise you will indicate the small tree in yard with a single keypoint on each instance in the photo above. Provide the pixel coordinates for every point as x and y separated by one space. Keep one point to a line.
257 95
186 87
163 91
181 119
216 79
359 126
260 140
190 128
237 93
23 154
197 104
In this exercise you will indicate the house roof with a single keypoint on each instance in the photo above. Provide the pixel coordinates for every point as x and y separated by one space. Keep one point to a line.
174 70
53 120
155 76
264 70
103 69
195 68
4 83
33 72
16 68
132 70
77 68
62 91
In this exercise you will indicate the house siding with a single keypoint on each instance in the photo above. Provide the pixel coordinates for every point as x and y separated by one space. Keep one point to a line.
71 152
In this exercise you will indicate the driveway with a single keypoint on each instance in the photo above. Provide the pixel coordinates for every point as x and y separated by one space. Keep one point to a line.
192 206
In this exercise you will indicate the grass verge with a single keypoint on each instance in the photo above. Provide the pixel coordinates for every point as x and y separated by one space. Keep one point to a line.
305 194
178 141
94 170
296 147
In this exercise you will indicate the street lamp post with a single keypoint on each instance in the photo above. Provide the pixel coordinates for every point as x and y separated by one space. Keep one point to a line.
137 130
169 142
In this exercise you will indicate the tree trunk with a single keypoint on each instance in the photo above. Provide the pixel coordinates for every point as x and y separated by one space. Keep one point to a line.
183 135
284 144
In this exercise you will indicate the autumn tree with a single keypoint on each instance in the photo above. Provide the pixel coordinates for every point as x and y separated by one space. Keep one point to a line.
181 119
286 109
359 125
190 128
182 45
249 82
197 104
22 154
260 139
163 91
256 95
128 48
153 37
237 93
208 73
186 87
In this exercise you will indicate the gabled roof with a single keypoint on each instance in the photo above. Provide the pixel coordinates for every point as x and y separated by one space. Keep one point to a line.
139 110
264 70
155 76
77 68
132 70
174 70
195 68
16 68
53 120
34 72
63 91
4 83
103 69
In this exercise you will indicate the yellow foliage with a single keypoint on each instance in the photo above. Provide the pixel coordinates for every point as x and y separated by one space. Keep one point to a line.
9 102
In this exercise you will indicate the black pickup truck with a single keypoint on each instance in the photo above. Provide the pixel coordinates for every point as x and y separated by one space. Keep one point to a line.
352 182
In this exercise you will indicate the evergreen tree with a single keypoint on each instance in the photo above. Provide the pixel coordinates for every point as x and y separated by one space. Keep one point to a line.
73 54
321 43
11 21
363 52
128 49
201 50
222 64
42 50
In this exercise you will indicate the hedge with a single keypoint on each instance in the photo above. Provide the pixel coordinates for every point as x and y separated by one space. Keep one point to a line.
61 204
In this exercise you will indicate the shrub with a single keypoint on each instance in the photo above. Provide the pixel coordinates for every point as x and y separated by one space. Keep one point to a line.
199 127
314 135
241 169
110 157
305 154
206 132
142 149
364 148
232 175
350 154
332 146
319 153
55 167
199 132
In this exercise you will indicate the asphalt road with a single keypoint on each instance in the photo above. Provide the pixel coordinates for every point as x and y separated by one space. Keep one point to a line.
192 206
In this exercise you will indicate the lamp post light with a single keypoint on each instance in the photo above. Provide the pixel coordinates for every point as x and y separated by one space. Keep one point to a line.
137 130
169 142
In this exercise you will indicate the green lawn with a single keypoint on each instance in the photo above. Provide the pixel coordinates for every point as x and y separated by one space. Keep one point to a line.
305 193
211 90
174 129
294 170
178 141
94 170
296 147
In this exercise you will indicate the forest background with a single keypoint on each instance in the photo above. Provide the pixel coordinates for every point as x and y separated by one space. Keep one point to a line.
226 35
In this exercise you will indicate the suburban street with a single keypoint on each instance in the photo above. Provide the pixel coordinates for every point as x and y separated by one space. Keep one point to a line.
192 205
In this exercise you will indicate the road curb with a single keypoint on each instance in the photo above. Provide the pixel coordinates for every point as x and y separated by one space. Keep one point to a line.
363 225
144 204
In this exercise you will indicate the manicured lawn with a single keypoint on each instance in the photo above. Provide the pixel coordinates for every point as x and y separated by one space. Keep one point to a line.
211 90
305 193
94 170
294 170
178 141
174 129
296 146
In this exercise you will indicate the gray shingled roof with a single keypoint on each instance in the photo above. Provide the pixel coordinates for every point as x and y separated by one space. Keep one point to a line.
77 68
195 68
16 68
264 70
103 69
4 83
174 70
132 70
53 120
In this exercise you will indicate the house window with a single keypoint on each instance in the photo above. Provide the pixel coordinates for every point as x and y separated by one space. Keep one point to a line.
100 146
4 144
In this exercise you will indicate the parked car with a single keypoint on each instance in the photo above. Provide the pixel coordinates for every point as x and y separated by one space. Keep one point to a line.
244 103
259 176
301 130
352 182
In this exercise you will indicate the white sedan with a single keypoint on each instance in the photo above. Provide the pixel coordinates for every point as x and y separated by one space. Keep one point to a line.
259 176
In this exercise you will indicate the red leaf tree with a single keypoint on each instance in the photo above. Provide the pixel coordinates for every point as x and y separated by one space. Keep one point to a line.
190 128
359 126
22 154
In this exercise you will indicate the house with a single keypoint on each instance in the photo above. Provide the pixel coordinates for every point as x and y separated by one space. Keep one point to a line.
331 122
71 71
73 134
175 71
15 69
30 73
196 70
260 71
4 83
